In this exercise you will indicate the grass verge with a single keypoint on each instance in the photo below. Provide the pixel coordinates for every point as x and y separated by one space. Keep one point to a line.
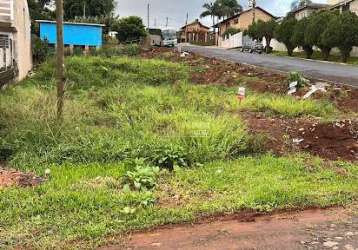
85 203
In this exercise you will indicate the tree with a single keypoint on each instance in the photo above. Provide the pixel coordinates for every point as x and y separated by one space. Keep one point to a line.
298 37
299 3
130 29
255 31
315 28
284 32
228 8
91 8
268 32
212 10
342 32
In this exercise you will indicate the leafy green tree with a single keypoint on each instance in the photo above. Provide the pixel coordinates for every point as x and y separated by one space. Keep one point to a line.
342 32
284 32
316 26
230 31
130 29
255 31
75 8
298 37
268 32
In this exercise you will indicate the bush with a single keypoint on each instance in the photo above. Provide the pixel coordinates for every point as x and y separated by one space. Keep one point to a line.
130 29
124 50
230 31
40 50
297 77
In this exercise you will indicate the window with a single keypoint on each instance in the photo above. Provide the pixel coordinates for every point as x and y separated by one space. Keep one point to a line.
6 10
236 20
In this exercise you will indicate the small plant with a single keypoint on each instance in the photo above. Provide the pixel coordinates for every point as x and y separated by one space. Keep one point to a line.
143 178
168 157
297 77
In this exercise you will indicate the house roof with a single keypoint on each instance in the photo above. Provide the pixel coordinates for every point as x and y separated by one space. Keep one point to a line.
195 22
245 11
72 23
341 3
314 6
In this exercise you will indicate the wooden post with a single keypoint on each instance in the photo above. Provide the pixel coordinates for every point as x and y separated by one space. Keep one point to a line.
60 69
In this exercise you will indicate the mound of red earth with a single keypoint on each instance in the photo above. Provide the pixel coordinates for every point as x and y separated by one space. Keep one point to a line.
332 141
11 177
337 140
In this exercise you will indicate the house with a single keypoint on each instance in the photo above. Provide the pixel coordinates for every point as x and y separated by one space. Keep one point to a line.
308 9
244 19
15 40
344 5
82 35
194 32
155 36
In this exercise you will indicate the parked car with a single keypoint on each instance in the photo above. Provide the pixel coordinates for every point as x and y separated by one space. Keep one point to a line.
253 47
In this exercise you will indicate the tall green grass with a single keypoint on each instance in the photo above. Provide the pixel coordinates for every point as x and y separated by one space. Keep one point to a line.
117 109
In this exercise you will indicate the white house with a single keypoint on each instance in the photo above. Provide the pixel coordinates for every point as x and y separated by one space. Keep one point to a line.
15 40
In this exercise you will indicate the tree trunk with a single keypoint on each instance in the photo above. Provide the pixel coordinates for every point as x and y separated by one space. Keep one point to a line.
268 45
325 53
60 68
345 53
308 51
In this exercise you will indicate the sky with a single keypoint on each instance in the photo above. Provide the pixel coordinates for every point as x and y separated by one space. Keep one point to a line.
176 10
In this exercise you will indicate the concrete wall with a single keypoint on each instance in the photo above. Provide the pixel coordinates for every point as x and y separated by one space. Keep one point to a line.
22 38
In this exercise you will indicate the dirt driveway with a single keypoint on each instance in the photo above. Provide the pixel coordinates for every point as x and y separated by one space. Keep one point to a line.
311 229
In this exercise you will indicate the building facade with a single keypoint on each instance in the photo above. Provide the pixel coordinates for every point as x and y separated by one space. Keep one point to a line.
346 5
194 32
84 35
308 9
15 40
241 22
244 19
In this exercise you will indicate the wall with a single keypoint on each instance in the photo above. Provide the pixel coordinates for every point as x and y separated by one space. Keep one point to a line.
22 38
74 34
354 6
304 13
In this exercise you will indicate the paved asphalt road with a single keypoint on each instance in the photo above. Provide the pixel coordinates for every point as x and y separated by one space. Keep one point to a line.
333 72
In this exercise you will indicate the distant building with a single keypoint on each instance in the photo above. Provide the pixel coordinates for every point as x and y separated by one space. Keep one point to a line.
83 35
346 5
242 21
194 32
308 9
15 40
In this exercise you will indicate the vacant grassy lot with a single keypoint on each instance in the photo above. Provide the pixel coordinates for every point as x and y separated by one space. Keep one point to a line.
123 118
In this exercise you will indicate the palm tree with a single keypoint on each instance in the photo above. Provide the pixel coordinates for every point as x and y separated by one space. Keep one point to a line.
228 8
299 3
211 9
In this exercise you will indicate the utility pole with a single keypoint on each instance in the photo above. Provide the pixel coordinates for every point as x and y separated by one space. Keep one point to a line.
84 10
167 22
148 13
252 4
155 22
186 27
60 69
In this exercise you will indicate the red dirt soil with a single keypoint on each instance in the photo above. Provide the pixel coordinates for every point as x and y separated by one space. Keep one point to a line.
279 231
11 177
332 141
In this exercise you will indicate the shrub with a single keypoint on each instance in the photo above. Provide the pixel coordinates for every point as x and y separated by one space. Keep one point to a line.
40 50
230 31
142 178
297 77
130 29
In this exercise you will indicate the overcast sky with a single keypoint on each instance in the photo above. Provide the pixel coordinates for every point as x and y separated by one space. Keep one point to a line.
176 10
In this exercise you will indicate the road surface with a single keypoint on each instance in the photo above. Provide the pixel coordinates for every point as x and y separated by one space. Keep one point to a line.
333 72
